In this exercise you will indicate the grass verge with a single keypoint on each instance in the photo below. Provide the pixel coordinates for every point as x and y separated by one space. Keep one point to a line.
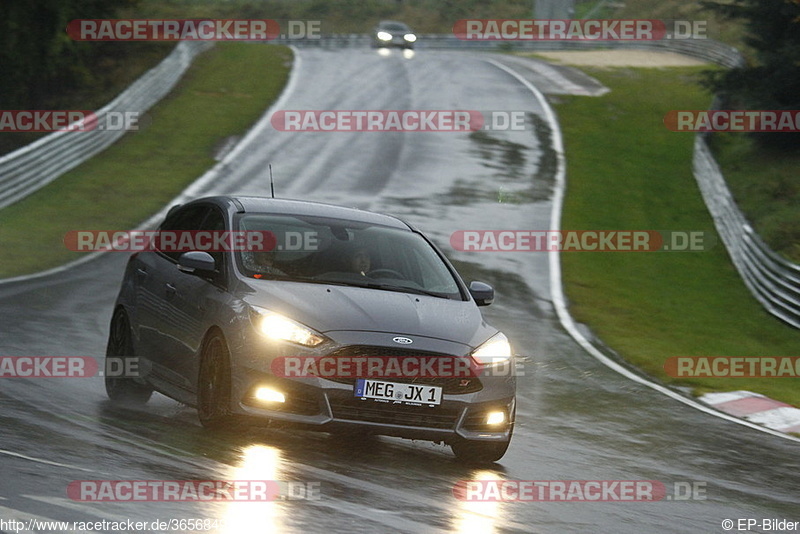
766 186
222 94
627 171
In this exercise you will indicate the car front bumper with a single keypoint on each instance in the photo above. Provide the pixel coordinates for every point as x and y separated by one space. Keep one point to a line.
331 404
398 42
333 407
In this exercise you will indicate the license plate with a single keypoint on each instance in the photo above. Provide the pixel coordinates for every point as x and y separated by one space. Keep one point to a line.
393 391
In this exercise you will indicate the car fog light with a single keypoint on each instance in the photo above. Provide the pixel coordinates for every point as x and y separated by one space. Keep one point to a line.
495 418
269 395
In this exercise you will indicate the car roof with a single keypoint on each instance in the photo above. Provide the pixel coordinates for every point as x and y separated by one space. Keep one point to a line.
395 23
255 204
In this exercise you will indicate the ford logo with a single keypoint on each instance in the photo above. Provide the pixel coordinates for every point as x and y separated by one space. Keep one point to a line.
402 340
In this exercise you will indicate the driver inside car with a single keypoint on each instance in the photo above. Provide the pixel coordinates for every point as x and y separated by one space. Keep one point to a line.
360 262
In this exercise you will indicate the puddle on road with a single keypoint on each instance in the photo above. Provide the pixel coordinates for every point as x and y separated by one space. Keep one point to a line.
510 181
513 178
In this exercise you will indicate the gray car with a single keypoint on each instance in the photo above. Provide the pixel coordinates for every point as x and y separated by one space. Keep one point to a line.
389 33
276 333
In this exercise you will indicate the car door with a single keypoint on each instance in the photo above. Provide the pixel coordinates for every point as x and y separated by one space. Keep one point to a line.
191 307
160 268
147 271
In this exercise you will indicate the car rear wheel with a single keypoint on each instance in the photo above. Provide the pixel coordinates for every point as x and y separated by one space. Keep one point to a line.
120 348
214 384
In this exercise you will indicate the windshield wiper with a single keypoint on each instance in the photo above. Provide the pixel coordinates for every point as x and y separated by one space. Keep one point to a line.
371 285
405 289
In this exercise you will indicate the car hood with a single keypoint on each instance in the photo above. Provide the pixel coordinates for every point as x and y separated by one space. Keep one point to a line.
329 308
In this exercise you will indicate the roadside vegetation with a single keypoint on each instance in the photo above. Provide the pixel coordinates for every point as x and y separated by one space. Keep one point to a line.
762 167
766 185
44 69
627 171
224 92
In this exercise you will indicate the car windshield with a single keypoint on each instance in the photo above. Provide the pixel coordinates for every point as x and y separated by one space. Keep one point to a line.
336 251
394 27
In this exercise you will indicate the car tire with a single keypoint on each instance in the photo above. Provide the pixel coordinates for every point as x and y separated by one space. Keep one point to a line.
214 384
120 345
479 452
355 434
482 452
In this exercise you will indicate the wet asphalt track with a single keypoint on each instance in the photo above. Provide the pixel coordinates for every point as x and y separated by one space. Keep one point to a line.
577 420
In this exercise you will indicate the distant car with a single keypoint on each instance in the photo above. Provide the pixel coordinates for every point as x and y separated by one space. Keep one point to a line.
211 329
392 33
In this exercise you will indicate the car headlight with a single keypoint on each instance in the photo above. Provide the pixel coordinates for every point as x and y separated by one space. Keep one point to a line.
384 36
276 326
410 37
495 351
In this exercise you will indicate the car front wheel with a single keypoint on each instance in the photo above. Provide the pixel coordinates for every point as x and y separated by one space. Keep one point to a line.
214 384
479 452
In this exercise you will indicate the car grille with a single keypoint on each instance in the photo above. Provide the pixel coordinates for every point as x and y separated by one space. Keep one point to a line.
449 385
355 409
476 422
302 405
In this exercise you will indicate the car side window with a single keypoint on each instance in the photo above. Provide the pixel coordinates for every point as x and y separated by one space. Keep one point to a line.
189 218
215 222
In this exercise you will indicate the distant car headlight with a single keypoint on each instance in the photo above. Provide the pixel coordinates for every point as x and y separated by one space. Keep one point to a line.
384 36
495 351
410 37
276 326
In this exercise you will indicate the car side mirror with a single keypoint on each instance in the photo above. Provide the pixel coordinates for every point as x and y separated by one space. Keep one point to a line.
197 262
481 292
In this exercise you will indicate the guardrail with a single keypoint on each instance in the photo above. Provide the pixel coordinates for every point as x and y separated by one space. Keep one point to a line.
773 280
33 166
706 49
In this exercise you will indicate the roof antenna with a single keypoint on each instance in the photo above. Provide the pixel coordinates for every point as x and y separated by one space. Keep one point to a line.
271 184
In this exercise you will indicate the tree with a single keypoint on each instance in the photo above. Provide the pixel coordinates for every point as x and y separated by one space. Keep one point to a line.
772 81
37 57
